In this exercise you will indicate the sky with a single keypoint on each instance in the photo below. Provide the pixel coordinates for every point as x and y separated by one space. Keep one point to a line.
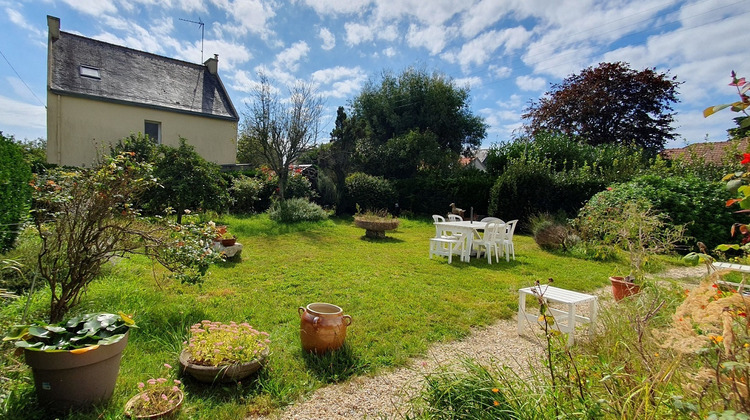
506 52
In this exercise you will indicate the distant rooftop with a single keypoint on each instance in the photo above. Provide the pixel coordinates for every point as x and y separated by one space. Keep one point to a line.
714 152
89 68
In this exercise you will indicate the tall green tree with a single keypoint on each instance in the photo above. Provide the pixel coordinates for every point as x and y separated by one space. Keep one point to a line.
15 193
610 103
422 120
284 129
337 156
186 181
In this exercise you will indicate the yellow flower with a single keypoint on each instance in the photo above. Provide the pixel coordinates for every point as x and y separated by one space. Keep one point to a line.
495 390
656 354
717 339
746 345
495 403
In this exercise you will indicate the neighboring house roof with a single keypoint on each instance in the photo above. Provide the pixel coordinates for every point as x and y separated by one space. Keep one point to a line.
477 162
714 152
135 77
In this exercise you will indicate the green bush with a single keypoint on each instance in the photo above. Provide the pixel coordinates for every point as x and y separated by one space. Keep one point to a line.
145 149
614 162
186 182
369 192
246 194
298 186
327 191
432 192
15 193
684 200
24 255
296 210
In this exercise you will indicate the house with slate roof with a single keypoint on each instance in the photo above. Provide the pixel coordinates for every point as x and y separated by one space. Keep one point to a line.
99 93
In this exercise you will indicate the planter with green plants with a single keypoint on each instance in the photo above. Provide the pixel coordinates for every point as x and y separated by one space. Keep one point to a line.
74 363
635 228
375 223
218 352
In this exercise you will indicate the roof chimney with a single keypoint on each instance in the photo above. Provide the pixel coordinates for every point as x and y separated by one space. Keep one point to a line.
53 23
213 64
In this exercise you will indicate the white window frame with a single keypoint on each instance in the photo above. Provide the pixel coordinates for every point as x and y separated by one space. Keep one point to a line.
158 130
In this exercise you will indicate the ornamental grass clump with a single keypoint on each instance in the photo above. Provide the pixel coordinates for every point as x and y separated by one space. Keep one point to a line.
156 396
218 344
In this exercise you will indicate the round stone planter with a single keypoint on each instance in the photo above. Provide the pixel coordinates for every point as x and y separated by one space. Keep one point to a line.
376 228
220 374
75 378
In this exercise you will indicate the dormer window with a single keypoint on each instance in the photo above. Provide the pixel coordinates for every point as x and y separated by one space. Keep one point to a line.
90 72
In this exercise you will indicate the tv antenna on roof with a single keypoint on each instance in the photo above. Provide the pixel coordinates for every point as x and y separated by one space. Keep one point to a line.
201 24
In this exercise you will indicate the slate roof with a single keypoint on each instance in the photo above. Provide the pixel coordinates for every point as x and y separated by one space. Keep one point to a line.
715 152
136 78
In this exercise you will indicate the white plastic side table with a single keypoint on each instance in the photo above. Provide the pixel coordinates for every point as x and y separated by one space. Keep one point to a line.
568 317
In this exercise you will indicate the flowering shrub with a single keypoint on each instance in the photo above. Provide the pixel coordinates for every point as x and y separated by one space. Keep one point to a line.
218 344
157 395
188 252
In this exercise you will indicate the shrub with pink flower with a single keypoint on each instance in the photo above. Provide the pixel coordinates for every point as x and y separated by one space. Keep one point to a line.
156 396
219 344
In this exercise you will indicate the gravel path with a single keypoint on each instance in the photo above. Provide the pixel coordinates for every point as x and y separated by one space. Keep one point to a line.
387 395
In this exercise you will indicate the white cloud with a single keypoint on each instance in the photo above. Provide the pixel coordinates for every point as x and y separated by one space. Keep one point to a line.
433 12
482 15
289 58
329 41
468 82
499 72
389 52
22 119
337 7
343 81
530 83
479 50
432 38
250 16
92 7
356 33
18 19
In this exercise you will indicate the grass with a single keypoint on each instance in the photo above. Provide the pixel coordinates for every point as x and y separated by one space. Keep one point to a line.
400 300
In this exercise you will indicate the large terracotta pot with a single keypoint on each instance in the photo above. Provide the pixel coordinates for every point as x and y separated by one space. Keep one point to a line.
66 379
322 327
219 374
622 289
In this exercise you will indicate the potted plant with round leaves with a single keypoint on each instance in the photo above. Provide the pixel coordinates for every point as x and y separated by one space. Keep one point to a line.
74 363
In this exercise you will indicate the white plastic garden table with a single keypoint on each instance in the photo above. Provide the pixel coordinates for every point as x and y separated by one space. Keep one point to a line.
568 298
469 229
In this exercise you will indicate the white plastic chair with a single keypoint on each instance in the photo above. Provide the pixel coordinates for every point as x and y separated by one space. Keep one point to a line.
445 243
492 219
455 218
446 246
490 241
507 240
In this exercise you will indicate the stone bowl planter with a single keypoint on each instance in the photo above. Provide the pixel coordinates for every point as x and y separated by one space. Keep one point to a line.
220 374
375 228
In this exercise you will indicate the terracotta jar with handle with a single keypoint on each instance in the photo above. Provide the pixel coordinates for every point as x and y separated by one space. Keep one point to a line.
322 327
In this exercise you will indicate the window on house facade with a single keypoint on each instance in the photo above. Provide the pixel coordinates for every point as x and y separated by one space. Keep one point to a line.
153 130
90 72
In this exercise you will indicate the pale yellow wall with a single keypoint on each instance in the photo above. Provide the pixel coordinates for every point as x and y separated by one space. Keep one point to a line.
85 127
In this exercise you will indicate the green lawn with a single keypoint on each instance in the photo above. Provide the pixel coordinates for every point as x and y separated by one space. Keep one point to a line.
400 300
